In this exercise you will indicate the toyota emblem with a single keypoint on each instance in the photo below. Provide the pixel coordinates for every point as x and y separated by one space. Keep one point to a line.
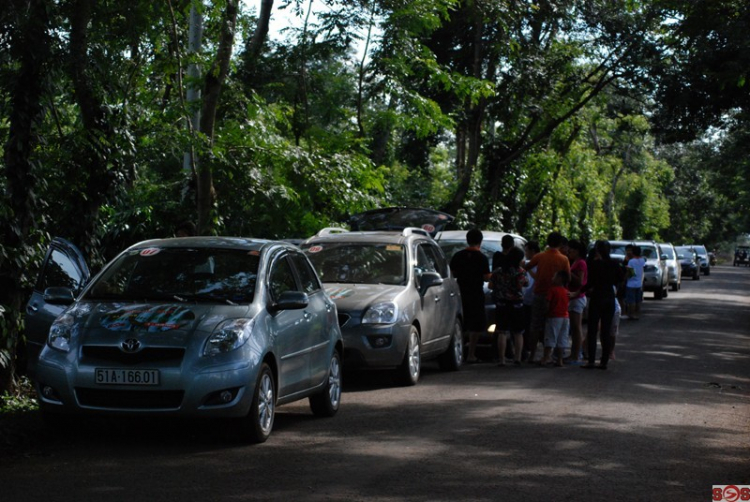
131 345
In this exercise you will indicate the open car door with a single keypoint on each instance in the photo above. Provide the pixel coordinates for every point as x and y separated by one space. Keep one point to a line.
398 218
64 267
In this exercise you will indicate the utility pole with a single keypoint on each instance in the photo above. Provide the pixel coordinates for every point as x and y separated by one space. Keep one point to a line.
195 35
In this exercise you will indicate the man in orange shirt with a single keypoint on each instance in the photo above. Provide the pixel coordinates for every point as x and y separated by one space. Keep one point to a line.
547 265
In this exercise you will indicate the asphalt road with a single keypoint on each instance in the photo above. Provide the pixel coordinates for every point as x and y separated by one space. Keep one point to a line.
669 419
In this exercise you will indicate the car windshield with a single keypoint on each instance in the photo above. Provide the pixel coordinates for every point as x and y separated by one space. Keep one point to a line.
180 274
366 263
701 251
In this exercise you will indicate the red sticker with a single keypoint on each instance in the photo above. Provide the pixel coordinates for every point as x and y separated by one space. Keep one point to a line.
315 249
150 251
428 227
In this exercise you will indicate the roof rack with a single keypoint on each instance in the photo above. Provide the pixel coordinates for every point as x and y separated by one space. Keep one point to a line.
331 230
414 230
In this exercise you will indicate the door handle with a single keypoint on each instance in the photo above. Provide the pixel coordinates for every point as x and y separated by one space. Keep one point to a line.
32 308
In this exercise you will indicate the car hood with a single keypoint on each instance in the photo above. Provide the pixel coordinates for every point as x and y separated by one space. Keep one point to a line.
164 323
351 297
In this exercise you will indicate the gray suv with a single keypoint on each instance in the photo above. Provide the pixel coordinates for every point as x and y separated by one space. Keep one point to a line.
656 272
397 302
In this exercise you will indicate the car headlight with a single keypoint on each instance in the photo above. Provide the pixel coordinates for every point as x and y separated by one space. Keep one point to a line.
228 336
60 333
381 313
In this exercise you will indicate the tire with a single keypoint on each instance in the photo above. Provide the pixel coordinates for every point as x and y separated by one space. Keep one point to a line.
327 402
256 426
453 357
411 367
675 287
708 271
659 294
665 292
697 277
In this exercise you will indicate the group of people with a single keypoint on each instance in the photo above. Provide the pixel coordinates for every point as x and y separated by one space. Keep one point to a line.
540 297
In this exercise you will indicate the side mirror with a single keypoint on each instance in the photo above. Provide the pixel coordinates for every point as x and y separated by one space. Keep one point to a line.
664 257
59 296
428 280
290 300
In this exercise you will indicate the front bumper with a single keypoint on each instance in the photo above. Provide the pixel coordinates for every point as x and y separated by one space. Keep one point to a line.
204 388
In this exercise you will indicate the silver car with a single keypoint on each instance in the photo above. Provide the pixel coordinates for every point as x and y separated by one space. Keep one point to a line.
674 267
655 273
397 301
197 326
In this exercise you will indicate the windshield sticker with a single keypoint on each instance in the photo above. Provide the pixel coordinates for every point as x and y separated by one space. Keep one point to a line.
254 253
392 247
150 252
315 249
442 217
148 318
339 293
428 227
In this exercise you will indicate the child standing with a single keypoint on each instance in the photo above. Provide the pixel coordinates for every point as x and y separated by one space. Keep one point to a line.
558 319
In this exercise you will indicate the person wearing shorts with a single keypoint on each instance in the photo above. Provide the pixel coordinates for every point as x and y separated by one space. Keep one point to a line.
507 283
558 320
634 285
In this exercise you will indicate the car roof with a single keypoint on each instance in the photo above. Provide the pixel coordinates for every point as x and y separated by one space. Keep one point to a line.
211 242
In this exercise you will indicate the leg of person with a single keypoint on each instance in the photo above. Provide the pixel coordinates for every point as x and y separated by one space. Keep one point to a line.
562 340
575 336
473 339
608 312
518 339
538 321
593 328
501 348
526 332
615 329
550 338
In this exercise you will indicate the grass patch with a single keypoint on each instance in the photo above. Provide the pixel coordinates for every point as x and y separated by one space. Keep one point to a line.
16 408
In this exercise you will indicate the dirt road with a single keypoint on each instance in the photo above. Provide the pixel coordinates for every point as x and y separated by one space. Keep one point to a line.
669 419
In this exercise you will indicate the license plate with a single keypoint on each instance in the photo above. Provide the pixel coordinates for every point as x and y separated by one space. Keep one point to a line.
123 376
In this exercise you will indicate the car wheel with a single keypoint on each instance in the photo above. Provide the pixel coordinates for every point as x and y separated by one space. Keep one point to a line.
697 277
327 402
659 293
411 366
675 287
665 292
259 422
708 271
453 357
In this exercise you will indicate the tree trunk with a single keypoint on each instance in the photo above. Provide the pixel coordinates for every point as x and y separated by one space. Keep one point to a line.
211 92
29 49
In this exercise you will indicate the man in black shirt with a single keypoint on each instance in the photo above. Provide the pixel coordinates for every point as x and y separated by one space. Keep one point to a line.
471 268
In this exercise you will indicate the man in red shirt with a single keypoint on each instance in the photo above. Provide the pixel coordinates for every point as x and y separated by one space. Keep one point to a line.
547 264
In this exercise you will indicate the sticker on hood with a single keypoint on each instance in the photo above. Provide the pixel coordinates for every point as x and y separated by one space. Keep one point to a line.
339 293
148 318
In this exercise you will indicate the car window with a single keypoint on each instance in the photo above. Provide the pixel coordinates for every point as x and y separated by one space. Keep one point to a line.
189 274
365 263
649 252
281 279
667 250
60 271
307 277
425 260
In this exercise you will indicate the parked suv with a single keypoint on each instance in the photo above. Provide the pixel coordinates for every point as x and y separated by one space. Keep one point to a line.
655 273
674 268
396 299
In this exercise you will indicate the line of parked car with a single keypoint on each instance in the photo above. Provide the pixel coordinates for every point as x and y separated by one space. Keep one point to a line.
231 328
